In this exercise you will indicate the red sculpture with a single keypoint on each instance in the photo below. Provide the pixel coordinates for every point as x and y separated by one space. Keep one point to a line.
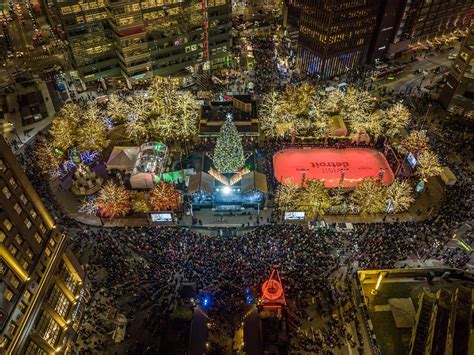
273 296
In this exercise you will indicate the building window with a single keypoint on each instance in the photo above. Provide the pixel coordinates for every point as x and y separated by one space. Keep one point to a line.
6 192
68 279
2 166
14 281
42 228
52 242
13 182
38 238
8 295
48 329
23 199
17 208
12 249
12 328
33 213
25 264
4 341
59 301
8 225
18 240
34 349
27 295
47 252
22 307
29 253
2 236
27 223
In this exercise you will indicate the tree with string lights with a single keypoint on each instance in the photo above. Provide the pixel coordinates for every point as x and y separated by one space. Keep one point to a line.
320 119
164 197
229 154
137 122
117 108
89 206
64 126
313 199
396 117
400 193
91 133
47 158
141 202
113 200
174 114
370 197
270 115
339 200
416 142
428 165
286 195
82 128
332 102
177 118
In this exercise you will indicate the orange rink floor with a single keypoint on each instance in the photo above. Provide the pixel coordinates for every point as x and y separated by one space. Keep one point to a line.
326 164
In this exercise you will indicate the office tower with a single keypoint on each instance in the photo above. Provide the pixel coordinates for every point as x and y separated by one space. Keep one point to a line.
442 322
406 26
84 24
140 39
43 288
457 94
334 36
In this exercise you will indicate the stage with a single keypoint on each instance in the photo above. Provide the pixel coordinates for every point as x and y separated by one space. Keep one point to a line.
332 166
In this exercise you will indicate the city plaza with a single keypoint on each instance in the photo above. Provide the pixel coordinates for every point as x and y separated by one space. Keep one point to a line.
167 191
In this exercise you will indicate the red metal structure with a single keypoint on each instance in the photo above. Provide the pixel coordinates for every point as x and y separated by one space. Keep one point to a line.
273 296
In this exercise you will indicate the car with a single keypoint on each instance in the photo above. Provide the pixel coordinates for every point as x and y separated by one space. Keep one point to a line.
19 54
10 54
452 56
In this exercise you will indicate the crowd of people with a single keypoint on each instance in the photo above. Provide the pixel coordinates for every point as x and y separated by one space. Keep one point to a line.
142 268
266 71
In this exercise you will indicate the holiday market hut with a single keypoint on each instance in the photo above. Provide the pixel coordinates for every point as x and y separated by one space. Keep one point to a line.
122 158
253 188
201 188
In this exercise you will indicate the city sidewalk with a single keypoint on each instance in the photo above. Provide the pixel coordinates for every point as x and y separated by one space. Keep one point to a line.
425 206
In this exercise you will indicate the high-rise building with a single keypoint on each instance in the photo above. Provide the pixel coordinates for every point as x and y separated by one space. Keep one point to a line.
409 25
442 322
43 288
457 94
139 39
334 36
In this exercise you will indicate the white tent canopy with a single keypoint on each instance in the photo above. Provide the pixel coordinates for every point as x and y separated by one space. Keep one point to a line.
122 158
141 181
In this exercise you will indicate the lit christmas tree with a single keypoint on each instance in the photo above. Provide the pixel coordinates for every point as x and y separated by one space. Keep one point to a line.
229 154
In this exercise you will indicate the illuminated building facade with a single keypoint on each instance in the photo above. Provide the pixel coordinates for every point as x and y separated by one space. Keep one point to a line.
457 94
408 25
139 39
43 286
334 36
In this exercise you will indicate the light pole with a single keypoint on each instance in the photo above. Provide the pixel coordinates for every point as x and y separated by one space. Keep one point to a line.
426 116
